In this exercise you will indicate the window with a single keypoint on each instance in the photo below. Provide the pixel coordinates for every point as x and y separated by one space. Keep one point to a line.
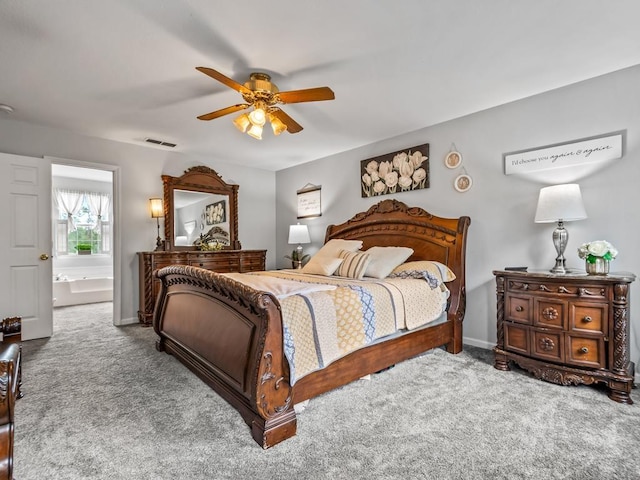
82 222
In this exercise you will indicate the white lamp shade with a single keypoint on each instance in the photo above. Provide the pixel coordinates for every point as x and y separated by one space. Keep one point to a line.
560 202
255 131
299 234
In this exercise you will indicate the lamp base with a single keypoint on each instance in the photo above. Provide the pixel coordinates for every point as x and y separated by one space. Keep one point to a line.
560 239
560 268
159 241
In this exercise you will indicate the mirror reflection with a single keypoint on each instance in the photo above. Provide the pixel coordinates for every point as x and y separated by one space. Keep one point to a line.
200 218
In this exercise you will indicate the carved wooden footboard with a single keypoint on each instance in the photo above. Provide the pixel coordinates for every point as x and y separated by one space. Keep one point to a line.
231 335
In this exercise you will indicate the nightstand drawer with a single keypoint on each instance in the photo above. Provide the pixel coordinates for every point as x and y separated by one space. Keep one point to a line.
516 338
589 317
550 314
519 309
585 351
547 345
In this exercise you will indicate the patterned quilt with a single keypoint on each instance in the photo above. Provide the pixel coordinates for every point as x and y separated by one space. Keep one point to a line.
322 326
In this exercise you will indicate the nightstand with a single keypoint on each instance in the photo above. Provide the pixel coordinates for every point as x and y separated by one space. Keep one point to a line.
566 329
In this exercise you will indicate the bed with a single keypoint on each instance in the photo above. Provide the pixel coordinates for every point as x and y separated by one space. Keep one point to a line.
232 335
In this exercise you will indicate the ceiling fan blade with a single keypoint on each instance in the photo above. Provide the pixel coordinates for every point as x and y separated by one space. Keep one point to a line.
308 95
224 79
224 111
292 125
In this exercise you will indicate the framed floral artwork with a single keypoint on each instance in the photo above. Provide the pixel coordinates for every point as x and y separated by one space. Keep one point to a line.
216 213
453 159
401 171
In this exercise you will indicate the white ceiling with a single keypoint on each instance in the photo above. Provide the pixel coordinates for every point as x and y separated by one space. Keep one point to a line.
125 69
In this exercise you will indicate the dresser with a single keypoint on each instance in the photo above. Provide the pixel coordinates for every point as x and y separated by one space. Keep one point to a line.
221 261
566 329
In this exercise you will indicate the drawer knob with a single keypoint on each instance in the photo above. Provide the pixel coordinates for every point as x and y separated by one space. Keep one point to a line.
519 308
588 319
547 344
584 350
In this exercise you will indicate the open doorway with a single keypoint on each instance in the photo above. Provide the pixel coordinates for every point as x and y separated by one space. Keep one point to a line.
83 240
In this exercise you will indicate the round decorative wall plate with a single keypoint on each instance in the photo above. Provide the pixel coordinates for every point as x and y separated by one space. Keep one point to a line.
463 182
453 159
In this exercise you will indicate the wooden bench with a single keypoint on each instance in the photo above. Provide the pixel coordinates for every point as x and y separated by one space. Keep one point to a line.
10 382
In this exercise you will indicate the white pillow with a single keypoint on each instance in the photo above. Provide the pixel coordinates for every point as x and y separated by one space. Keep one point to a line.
324 261
321 265
332 247
385 259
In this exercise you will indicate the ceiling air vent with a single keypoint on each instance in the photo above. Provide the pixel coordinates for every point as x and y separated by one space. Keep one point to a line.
160 142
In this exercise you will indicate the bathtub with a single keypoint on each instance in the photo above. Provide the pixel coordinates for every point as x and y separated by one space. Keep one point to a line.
82 290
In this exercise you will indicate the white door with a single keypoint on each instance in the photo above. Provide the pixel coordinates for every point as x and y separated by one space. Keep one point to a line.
25 243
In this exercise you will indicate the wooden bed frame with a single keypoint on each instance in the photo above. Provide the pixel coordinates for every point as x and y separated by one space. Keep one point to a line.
231 335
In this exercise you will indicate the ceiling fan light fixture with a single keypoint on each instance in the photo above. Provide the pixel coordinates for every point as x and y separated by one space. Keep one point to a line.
276 124
255 131
258 116
242 122
258 92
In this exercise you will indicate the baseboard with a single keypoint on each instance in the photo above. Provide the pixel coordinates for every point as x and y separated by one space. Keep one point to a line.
128 321
474 342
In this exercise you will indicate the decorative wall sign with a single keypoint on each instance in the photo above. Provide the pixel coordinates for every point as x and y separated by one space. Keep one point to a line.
591 150
216 213
309 201
395 172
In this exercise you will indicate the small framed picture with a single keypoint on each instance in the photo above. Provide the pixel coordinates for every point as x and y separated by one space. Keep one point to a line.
463 182
453 159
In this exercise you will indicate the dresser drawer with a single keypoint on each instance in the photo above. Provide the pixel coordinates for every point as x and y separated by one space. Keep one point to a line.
252 263
585 351
218 262
220 265
547 345
589 317
519 308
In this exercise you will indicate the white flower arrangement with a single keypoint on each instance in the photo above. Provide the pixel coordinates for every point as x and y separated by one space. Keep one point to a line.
597 249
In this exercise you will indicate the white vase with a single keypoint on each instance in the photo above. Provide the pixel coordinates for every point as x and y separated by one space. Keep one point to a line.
599 267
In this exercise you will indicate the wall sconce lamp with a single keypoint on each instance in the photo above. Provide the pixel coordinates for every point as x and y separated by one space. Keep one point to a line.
253 123
157 211
298 234
560 203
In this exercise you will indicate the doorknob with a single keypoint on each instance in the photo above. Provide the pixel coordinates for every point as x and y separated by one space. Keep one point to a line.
44 256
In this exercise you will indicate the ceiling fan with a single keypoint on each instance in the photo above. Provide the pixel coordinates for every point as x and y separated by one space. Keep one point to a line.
258 92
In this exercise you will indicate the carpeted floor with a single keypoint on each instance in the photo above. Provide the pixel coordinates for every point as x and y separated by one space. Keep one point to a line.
101 403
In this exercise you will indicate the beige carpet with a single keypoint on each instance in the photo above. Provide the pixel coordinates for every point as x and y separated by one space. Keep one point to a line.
101 403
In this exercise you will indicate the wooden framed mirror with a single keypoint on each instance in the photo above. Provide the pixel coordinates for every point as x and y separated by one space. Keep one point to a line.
198 205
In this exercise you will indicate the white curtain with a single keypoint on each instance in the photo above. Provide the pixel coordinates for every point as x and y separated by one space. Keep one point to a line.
68 201
99 206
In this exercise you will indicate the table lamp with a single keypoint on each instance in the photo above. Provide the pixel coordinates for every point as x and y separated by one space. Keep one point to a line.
298 234
560 203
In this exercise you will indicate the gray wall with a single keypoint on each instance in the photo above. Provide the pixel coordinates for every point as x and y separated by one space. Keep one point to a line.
501 207
140 171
